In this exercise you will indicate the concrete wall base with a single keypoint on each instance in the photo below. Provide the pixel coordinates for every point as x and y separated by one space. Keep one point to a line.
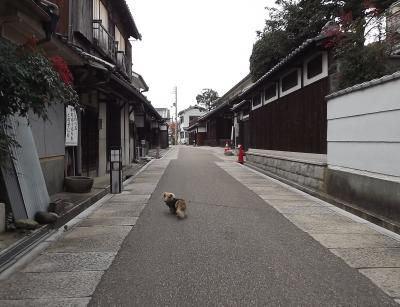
374 199
378 197
304 169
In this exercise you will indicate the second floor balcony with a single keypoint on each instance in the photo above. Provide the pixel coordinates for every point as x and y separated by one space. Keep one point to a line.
104 40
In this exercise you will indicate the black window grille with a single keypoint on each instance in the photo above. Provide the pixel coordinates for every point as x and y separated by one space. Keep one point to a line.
270 92
314 67
289 81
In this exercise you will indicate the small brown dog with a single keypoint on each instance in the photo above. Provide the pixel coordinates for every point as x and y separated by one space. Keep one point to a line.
176 206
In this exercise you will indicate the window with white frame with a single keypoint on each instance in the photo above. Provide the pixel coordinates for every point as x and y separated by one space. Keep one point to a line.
256 101
271 92
315 68
290 82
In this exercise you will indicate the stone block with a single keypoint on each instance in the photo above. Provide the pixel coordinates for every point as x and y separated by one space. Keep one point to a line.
315 184
298 168
286 174
319 172
307 181
301 179
288 166
303 170
26 224
310 171
293 167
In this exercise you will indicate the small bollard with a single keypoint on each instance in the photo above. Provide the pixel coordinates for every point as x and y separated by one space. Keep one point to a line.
158 152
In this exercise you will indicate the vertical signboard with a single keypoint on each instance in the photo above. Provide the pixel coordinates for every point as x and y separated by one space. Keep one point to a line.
71 127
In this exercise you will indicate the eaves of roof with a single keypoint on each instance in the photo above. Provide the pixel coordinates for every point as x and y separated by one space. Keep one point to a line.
247 78
365 85
208 114
237 106
191 108
127 19
302 48
118 79
196 124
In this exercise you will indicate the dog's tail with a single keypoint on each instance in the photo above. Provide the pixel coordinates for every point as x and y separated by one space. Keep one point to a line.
180 213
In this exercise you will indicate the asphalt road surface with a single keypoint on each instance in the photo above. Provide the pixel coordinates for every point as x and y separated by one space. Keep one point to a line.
232 250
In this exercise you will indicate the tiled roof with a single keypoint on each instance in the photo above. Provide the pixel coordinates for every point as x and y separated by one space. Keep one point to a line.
365 85
298 50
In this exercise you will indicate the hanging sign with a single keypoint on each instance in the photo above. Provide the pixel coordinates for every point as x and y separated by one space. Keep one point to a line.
71 127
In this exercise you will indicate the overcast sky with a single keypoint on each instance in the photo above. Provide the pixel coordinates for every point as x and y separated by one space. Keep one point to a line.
194 45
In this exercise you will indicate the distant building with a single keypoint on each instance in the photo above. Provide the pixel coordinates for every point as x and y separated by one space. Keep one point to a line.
186 118
164 127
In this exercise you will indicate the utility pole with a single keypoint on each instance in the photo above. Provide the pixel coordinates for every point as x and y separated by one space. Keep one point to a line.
176 114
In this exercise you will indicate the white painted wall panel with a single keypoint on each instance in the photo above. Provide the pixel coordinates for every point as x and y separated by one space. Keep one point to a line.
381 158
377 98
364 130
378 127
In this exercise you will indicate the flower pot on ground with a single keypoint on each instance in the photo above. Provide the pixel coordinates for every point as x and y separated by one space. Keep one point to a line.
78 184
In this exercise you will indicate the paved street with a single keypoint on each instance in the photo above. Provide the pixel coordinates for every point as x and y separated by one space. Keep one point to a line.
248 241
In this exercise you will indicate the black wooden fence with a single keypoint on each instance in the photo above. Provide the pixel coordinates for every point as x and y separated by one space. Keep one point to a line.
296 122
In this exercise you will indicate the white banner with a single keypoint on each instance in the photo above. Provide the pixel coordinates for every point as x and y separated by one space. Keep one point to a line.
71 127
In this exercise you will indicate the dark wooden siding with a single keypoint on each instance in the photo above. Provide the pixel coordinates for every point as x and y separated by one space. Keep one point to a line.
90 142
218 131
83 18
296 122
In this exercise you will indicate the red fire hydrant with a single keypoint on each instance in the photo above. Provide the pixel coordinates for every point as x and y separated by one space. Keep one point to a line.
240 155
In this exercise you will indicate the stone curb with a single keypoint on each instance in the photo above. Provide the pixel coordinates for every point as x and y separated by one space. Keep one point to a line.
380 221
12 254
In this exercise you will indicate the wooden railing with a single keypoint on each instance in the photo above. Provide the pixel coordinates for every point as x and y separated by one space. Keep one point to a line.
104 40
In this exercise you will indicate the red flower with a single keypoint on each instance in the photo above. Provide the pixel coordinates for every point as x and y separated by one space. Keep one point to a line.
61 67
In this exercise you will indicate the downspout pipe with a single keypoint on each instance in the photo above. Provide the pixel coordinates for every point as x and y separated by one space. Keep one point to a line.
70 32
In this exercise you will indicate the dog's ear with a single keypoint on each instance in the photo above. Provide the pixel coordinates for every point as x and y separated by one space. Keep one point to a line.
163 194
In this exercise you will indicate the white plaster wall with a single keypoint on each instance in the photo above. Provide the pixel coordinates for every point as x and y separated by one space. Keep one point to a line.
192 112
103 139
364 130
185 124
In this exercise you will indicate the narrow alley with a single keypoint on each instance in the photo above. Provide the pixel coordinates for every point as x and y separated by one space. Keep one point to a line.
248 240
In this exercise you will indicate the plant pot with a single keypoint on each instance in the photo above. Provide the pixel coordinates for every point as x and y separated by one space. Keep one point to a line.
78 184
